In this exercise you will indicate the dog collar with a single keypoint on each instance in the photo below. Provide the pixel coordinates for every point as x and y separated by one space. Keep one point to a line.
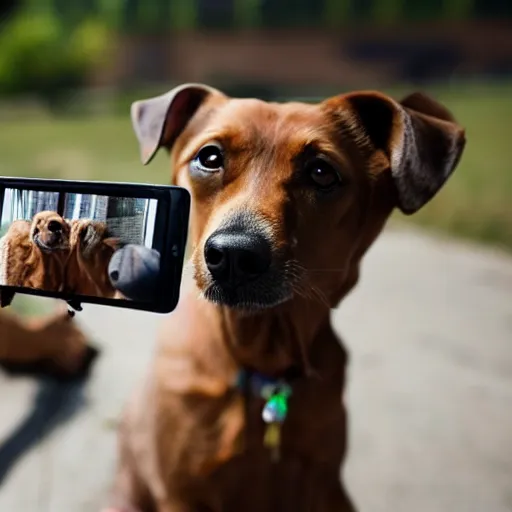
276 393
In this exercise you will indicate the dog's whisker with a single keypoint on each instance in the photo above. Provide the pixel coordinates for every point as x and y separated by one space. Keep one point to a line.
302 286
295 274
313 293
322 298
327 269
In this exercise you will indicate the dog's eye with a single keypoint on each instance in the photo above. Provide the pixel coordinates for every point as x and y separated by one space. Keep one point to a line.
209 159
323 175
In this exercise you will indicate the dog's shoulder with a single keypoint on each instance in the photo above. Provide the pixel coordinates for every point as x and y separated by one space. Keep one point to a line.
18 232
191 358
18 257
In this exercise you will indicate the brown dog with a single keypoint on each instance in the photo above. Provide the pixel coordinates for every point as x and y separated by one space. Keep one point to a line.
92 248
287 198
34 254
51 345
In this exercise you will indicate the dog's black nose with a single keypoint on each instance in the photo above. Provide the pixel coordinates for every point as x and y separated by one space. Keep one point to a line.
235 258
54 226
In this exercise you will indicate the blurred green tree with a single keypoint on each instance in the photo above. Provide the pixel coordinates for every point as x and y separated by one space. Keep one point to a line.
46 53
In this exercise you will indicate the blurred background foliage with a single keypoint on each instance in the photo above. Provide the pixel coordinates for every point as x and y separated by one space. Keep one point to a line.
70 69
42 53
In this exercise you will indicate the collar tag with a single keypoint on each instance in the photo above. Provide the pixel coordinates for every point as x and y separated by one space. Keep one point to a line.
274 414
276 394
276 407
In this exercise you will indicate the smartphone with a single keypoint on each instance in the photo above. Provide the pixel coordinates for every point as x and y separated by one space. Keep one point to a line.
114 244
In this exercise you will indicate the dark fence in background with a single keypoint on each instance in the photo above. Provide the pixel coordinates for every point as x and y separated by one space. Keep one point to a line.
349 42
150 16
126 217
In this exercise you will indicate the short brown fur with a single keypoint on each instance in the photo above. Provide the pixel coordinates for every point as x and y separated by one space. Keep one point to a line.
189 441
91 251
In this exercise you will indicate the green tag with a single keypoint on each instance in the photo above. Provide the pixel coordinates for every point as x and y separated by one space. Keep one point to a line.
276 407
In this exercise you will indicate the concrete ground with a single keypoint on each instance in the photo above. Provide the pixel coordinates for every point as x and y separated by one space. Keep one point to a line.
430 394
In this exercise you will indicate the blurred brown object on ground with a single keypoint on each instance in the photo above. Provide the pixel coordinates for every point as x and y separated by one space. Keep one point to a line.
51 345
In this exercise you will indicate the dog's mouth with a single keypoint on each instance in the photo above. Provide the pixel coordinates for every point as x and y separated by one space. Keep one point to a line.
54 242
242 267
261 294
276 286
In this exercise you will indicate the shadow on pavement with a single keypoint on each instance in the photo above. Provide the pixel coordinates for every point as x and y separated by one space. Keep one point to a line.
55 403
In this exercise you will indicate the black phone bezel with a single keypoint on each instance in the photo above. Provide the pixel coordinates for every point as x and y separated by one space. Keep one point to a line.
170 238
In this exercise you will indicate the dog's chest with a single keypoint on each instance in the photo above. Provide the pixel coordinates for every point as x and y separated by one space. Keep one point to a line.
238 469
252 483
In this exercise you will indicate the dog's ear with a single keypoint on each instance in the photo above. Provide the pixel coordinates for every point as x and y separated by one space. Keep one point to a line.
112 242
158 121
418 135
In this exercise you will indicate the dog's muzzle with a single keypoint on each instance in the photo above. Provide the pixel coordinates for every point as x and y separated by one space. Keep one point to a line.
244 272
55 239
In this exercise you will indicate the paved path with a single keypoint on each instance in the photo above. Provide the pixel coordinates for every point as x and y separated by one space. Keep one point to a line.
430 332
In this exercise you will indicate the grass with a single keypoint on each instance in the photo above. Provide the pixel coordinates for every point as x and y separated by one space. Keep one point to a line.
80 149
27 305
476 202
90 149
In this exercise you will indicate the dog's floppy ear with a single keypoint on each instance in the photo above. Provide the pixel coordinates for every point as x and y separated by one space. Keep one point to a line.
112 242
158 121
418 135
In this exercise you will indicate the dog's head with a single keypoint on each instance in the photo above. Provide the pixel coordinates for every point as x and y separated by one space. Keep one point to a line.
92 248
50 232
288 197
92 239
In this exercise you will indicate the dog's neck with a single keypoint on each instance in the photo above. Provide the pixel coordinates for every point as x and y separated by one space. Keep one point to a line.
276 341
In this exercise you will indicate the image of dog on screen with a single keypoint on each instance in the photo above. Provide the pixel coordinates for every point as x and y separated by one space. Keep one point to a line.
92 248
64 242
34 254
57 255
